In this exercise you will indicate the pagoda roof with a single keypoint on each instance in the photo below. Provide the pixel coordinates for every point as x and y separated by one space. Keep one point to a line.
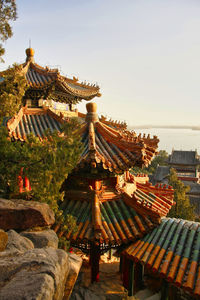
171 250
34 121
113 215
62 88
115 148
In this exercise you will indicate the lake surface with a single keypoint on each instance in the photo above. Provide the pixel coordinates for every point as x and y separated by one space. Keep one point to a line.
177 139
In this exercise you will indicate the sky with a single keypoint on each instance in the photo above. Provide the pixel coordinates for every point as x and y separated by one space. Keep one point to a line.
144 54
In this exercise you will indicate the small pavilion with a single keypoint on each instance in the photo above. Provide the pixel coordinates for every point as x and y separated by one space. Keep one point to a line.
112 207
47 87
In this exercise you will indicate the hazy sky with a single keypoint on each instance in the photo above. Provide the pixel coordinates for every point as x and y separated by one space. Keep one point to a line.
144 54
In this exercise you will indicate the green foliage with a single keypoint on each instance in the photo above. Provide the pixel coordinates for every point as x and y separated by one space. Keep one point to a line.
160 159
46 163
69 225
12 89
182 209
8 12
137 170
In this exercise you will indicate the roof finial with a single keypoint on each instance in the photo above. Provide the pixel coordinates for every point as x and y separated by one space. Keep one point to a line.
30 53
91 112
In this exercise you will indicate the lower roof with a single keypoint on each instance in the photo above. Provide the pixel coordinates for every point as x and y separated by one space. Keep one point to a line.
36 121
114 215
120 223
172 250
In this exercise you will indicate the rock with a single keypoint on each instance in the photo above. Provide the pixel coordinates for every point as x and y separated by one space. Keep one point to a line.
75 263
38 274
24 286
41 239
3 240
18 242
22 214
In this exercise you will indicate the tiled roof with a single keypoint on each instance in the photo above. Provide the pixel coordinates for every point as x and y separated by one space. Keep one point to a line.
39 78
119 223
162 195
117 150
183 158
172 250
35 121
111 216
150 203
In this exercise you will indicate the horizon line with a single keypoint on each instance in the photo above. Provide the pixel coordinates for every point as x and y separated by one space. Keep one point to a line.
165 126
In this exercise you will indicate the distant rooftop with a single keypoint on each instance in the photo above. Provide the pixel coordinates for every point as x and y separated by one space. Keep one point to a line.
161 173
184 157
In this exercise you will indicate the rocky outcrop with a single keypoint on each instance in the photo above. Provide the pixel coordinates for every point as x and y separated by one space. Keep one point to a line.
22 214
36 273
31 266
41 239
17 242
75 263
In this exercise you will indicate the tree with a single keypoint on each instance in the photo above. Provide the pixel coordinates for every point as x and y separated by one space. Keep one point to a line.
13 86
45 163
182 209
160 159
8 12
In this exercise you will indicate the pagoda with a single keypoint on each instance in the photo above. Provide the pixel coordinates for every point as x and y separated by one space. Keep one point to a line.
48 88
112 207
49 99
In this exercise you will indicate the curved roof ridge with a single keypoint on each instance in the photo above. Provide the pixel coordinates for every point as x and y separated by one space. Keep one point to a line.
117 149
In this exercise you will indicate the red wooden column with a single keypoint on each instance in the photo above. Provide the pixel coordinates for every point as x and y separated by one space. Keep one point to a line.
97 225
94 261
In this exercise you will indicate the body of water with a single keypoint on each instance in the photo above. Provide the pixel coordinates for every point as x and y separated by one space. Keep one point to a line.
177 139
